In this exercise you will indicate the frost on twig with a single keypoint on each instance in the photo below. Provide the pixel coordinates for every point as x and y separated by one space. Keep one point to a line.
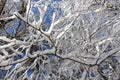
67 40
